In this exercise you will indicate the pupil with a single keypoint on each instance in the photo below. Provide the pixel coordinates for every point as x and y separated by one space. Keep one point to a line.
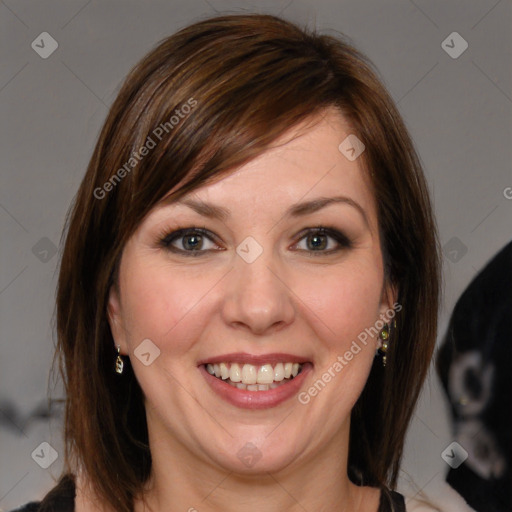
318 241
188 245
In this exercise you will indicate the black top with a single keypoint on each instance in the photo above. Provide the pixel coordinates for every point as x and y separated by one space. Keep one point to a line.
64 500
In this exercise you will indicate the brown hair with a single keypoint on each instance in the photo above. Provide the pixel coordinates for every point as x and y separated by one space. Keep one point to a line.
252 78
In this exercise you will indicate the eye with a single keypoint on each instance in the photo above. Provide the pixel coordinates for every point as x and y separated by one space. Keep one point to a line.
198 241
317 240
188 241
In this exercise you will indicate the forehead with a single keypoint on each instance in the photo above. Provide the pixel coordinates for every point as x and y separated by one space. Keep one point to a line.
304 164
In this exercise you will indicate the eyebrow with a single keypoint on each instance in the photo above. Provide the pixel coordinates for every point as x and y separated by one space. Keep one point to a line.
296 210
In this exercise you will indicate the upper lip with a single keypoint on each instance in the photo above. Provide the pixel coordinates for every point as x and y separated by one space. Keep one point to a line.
256 360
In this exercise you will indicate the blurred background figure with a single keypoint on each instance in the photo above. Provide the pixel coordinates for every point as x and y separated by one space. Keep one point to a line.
475 366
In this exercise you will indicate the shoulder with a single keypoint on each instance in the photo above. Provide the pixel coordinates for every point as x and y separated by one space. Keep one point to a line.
445 499
413 505
442 499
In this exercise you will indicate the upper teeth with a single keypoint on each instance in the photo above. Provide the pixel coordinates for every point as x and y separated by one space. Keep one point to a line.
250 374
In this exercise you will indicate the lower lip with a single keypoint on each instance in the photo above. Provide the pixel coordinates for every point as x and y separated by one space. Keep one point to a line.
256 399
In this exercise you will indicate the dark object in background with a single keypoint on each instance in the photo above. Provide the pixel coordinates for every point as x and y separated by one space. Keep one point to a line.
475 366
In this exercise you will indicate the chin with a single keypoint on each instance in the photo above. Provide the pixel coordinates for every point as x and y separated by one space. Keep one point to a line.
255 452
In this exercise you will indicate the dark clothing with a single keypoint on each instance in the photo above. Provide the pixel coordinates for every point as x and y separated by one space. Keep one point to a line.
64 501
59 499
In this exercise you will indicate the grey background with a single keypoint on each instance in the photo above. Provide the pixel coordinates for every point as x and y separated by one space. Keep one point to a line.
458 112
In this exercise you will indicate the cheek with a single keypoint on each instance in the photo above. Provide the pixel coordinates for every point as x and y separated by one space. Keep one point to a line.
159 304
344 301
342 306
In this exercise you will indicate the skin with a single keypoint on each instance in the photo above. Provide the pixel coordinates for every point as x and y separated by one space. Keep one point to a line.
290 299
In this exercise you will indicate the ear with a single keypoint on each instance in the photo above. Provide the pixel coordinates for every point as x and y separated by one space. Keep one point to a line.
115 319
389 300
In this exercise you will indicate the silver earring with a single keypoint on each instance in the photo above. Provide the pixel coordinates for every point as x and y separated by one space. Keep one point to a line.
119 361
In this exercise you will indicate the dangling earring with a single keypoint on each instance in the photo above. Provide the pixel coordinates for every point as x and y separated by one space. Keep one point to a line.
119 361
384 336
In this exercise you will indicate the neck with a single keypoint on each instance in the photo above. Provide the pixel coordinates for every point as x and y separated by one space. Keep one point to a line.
181 481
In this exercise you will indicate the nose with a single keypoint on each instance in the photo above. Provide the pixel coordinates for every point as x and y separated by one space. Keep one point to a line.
257 297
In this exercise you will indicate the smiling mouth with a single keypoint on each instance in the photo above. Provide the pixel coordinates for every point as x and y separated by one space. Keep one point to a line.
255 378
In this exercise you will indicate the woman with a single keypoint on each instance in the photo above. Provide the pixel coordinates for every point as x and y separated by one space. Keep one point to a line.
248 294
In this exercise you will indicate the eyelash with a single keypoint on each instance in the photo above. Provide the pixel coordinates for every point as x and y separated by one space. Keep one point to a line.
165 239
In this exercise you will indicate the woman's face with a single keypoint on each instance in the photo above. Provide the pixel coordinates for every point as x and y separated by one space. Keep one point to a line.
253 286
